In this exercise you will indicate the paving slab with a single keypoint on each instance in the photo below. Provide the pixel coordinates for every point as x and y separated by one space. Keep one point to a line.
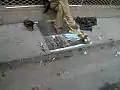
106 28
80 72
16 42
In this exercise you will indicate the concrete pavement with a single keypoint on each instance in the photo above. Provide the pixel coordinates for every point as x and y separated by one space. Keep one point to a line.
18 43
17 15
80 72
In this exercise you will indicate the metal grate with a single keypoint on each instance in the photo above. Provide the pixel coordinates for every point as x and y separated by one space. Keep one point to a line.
20 2
96 2
115 2
73 2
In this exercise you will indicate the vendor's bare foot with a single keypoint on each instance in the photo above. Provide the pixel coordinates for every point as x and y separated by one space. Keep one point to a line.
58 31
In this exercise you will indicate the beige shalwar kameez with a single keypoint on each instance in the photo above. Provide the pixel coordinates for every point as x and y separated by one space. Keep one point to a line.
63 13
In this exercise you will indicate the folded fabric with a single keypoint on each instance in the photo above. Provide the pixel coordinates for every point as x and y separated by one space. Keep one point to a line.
71 36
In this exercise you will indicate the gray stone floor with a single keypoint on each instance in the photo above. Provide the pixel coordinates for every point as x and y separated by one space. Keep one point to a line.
80 72
16 42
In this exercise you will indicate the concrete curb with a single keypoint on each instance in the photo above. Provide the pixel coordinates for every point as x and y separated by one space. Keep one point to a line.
59 55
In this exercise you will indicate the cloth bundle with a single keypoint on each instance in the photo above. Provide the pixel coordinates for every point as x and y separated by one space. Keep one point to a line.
86 23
